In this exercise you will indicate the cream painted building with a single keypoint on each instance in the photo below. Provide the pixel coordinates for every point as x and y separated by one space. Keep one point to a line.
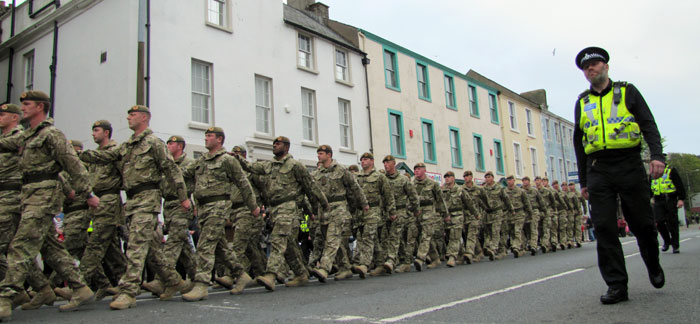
523 145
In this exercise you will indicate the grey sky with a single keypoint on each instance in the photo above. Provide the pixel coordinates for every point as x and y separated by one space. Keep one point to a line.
651 44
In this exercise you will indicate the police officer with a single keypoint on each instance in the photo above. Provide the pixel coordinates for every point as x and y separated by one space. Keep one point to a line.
669 195
610 119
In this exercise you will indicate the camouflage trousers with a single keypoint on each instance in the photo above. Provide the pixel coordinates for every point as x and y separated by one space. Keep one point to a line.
575 232
543 229
368 237
75 226
409 242
563 226
284 248
9 220
212 246
397 231
439 241
246 241
454 230
530 233
344 264
318 241
471 237
514 230
430 224
332 233
177 247
492 230
381 245
103 244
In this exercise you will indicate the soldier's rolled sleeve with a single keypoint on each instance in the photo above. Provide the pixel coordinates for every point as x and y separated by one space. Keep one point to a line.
387 196
239 177
100 156
167 165
11 143
69 161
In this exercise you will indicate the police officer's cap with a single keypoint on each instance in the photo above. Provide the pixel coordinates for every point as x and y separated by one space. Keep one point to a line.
367 155
281 139
467 173
325 148
215 130
139 108
238 149
389 158
488 173
104 124
419 165
591 54
11 108
176 139
449 174
76 143
34 95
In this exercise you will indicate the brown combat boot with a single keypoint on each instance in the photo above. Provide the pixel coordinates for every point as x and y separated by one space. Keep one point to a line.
113 291
63 292
298 281
434 264
241 283
225 281
516 253
199 292
404 268
451 262
321 274
267 280
20 298
388 267
360 270
418 263
45 296
100 294
170 291
343 275
467 258
5 309
155 287
378 271
124 301
81 296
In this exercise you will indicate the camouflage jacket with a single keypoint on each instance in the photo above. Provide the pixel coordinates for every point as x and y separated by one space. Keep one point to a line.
560 198
10 176
258 183
548 197
405 195
459 202
377 190
583 202
105 176
430 196
80 199
479 196
536 200
213 174
338 184
168 186
497 197
519 199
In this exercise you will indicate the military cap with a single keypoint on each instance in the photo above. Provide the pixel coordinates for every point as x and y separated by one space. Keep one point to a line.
537 178
353 168
282 139
324 148
555 182
238 149
510 177
419 165
104 124
545 179
488 173
389 158
11 108
591 54
467 173
526 178
34 95
215 130
367 155
449 174
76 143
139 108
572 184
176 139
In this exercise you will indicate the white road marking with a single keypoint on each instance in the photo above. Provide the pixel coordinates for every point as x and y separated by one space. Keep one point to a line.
349 318
631 255
475 298
628 242
219 307
690 238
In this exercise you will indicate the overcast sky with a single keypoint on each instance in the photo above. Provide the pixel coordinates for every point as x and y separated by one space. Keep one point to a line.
527 45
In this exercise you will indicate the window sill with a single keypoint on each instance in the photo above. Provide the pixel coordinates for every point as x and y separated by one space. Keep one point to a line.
347 150
475 116
198 125
425 99
430 162
309 144
345 83
515 130
457 166
452 108
303 68
531 136
392 88
263 136
495 123
219 27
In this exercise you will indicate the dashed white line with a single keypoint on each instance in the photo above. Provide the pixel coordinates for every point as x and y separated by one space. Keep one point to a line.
631 255
475 298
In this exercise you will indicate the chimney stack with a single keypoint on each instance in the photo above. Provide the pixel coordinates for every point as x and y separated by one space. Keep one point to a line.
311 7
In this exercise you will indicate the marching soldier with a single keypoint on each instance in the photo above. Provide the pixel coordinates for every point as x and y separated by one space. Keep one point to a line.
472 224
498 204
432 211
459 203
539 210
516 219
577 202
563 206
545 226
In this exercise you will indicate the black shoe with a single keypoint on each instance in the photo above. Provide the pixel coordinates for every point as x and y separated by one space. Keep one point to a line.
657 279
676 251
614 296
665 247
533 251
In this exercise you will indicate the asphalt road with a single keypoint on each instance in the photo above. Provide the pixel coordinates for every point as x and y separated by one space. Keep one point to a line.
561 287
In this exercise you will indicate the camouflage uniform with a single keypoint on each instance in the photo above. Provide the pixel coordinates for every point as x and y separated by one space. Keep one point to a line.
432 207
288 181
461 207
563 217
380 197
406 200
213 174
494 217
539 211
337 183
516 219
576 201
544 227
471 223
246 227
143 161
76 219
103 243
44 152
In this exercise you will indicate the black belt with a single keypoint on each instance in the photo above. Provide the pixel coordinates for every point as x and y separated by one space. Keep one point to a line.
170 198
211 199
398 207
70 209
237 205
336 198
274 203
10 186
426 203
113 191
32 178
452 210
141 188
374 204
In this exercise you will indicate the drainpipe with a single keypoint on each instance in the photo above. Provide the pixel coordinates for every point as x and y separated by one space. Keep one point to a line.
148 53
365 62
563 153
53 68
12 23
9 74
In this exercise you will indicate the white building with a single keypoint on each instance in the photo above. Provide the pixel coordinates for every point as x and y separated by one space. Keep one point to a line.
259 69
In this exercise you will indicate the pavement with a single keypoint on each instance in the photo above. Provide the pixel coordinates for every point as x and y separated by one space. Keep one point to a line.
561 287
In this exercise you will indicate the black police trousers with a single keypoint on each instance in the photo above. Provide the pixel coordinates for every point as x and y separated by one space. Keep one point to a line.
666 215
624 177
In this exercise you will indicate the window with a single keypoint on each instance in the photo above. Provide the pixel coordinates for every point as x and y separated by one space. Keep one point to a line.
556 132
341 66
478 153
563 134
533 158
428 141
498 150
575 167
493 107
517 155
455 147
562 172
263 105
546 129
568 168
450 99
571 137
512 116
217 12
391 73
551 166
344 119
29 71
308 114
473 104
306 52
423 81
396 133
530 127
201 92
